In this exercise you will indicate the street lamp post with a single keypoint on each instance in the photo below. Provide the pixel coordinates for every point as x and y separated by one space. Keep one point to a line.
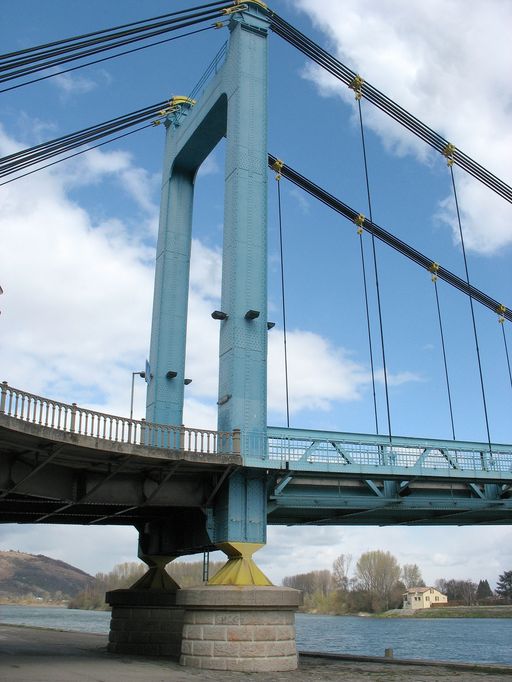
142 376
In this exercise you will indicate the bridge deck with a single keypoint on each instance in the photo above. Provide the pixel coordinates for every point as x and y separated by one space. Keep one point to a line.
62 464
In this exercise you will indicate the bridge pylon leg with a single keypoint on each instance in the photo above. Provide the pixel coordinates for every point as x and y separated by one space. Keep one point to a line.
253 620
145 610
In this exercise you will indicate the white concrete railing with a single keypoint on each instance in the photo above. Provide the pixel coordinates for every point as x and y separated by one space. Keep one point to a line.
35 409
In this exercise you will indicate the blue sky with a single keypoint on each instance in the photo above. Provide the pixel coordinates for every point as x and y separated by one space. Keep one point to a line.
78 241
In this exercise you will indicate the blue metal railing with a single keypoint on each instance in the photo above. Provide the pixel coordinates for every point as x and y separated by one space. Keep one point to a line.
307 450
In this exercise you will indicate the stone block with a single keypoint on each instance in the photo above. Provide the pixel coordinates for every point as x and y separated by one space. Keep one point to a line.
203 617
226 618
240 633
186 647
190 661
283 648
262 618
265 632
285 632
226 649
192 631
217 632
118 624
116 636
214 663
201 648
252 649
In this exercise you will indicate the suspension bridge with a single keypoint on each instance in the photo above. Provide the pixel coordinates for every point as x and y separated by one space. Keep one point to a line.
190 490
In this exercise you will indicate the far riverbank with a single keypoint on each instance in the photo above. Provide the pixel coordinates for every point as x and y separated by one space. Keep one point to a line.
451 612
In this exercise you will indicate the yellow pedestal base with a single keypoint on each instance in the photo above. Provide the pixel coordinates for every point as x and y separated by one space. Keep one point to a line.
157 577
240 568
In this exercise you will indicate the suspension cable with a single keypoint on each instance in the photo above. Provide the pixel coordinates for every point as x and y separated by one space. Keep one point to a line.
336 68
379 232
87 48
389 239
109 57
105 30
277 166
434 270
501 320
368 325
375 265
82 151
448 155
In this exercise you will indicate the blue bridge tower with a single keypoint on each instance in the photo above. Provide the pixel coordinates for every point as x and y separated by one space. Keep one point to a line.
233 106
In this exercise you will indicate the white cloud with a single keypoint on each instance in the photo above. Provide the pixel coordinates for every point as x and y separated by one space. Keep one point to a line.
96 165
78 85
318 372
449 64
210 165
453 556
300 200
75 84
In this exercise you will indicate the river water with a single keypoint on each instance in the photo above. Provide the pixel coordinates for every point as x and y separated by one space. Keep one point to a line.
484 640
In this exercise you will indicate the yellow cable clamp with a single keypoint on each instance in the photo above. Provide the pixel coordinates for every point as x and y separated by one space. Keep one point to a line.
180 99
251 2
434 269
174 105
359 221
501 310
448 152
356 84
233 10
278 167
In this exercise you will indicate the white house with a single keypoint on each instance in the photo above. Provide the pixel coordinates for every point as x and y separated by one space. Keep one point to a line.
423 598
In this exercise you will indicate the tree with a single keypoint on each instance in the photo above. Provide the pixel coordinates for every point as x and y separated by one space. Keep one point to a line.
378 573
340 571
458 590
314 582
483 591
504 585
411 576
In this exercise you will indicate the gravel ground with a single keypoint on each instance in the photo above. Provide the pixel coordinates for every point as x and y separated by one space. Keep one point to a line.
37 655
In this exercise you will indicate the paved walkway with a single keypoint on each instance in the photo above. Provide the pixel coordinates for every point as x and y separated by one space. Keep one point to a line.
37 655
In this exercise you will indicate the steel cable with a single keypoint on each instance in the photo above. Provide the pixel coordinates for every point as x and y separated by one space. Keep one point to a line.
376 270
445 361
283 301
101 48
388 238
105 30
475 333
388 106
105 59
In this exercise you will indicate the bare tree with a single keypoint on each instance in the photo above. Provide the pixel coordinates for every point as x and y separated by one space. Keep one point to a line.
378 573
411 576
340 571
458 590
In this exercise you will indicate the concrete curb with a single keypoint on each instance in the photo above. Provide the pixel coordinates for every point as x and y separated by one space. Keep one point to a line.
453 665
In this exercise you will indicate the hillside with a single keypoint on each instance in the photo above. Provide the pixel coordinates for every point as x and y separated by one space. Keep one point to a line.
26 576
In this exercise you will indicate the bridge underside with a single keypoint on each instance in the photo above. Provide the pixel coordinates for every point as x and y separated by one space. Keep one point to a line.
88 481
337 500
82 480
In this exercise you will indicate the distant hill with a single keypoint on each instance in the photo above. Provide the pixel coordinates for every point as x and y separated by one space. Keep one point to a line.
36 576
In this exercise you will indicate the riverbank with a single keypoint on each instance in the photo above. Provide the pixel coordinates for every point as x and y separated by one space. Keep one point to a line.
451 612
39 655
